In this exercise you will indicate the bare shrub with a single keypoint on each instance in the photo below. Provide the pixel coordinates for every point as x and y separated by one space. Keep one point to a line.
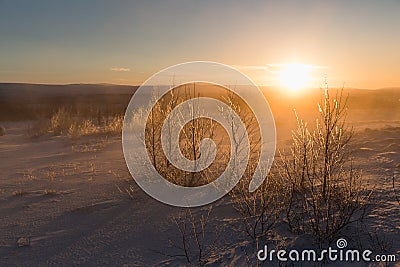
191 135
326 191
194 244
262 209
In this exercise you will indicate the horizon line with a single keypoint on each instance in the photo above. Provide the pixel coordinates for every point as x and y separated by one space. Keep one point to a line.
116 84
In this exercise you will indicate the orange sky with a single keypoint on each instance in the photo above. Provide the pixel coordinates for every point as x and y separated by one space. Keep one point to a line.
355 43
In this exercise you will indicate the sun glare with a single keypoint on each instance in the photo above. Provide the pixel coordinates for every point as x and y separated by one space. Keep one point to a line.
294 77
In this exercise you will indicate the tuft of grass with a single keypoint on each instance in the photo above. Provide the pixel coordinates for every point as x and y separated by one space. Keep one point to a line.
114 126
84 128
19 193
2 131
60 121
50 192
51 174
23 242
29 175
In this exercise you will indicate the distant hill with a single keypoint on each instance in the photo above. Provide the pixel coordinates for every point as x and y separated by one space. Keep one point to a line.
363 104
11 89
20 101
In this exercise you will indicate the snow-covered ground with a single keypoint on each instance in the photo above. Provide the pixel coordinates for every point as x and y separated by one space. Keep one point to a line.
62 203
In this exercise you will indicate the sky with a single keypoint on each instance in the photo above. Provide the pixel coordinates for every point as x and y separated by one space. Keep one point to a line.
350 43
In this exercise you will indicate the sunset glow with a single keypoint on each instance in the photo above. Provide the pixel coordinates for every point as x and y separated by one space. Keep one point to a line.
63 42
294 77
199 133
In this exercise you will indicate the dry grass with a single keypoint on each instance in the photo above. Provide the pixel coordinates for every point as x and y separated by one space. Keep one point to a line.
129 190
126 186
60 121
29 175
89 146
2 131
66 122
114 125
52 174
83 128
108 127
19 193
50 192
24 242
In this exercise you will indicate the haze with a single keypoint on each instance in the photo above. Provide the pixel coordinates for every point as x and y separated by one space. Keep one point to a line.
124 42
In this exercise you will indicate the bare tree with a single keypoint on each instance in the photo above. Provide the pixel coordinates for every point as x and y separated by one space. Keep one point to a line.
326 192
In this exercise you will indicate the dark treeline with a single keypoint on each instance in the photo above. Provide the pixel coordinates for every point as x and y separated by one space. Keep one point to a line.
27 102
32 101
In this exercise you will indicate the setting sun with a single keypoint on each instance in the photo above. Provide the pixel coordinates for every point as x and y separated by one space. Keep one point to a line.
294 76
